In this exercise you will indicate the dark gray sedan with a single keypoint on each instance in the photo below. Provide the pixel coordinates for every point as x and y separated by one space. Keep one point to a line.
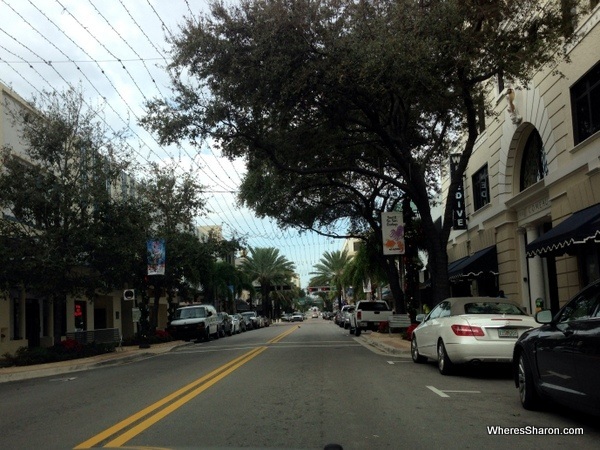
560 360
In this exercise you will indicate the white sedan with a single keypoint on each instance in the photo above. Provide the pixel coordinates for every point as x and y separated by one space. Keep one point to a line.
469 330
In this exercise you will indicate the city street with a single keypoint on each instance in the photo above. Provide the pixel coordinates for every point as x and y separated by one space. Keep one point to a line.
298 386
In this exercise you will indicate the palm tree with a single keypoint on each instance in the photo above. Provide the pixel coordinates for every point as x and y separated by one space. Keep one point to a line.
330 271
365 266
269 268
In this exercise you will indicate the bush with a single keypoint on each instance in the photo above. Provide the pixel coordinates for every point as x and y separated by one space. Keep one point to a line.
158 337
409 331
63 351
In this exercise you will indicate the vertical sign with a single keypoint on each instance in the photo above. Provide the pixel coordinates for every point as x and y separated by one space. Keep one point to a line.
459 215
156 256
392 229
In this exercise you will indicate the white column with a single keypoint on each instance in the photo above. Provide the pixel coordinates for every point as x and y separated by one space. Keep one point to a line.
536 273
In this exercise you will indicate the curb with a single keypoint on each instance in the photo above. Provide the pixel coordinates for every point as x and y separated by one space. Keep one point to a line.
388 348
79 365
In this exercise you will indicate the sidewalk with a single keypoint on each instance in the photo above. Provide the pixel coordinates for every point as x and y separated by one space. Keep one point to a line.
389 343
120 356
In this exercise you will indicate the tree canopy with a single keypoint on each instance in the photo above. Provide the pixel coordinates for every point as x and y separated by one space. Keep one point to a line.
330 99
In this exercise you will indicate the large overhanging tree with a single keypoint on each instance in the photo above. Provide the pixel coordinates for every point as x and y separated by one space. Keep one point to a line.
350 90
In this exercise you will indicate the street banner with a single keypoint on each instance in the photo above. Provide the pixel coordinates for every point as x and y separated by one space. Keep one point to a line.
156 256
392 229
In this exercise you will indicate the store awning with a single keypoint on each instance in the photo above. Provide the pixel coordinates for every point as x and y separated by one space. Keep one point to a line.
581 227
482 262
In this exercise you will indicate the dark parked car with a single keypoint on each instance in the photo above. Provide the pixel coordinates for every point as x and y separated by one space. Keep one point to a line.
560 360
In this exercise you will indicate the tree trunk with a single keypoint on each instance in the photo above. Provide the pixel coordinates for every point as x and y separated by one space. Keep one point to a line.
393 276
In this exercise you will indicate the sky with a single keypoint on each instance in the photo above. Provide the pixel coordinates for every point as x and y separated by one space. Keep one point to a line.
117 50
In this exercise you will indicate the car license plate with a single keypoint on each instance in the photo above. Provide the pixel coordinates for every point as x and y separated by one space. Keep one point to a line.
507 333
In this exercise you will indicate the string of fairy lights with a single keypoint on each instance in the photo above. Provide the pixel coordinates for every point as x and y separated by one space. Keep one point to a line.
117 52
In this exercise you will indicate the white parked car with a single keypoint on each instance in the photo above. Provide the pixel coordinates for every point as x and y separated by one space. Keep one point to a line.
469 330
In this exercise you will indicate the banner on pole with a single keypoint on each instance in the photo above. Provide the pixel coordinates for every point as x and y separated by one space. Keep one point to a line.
156 256
392 229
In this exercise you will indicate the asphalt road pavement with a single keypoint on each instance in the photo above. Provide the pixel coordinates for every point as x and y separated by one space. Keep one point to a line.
285 387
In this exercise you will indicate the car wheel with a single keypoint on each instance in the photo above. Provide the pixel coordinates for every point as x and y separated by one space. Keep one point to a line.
445 366
357 331
414 352
529 397
206 336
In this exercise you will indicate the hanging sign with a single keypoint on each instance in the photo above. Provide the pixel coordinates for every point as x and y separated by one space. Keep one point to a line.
459 214
392 229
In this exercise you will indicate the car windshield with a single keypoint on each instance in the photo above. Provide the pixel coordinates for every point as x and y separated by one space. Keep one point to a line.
190 313
493 308
249 314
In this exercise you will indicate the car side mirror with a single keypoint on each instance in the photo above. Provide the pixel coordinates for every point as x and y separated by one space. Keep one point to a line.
544 316
209 313
420 318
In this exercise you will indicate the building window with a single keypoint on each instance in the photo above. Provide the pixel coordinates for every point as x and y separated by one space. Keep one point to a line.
500 81
481 188
533 165
585 103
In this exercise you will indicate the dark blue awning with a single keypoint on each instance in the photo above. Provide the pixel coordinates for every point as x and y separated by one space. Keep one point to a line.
580 228
482 262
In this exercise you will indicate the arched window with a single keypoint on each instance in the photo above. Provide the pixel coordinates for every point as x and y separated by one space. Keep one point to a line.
533 165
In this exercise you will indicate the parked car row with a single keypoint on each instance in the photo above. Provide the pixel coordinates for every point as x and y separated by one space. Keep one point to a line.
553 358
342 317
203 322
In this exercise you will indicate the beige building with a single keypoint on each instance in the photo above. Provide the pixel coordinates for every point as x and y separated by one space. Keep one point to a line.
532 187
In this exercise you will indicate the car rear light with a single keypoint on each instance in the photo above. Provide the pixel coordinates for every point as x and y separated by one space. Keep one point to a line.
359 315
467 330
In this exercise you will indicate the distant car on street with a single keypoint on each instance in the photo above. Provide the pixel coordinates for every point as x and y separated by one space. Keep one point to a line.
469 330
252 320
297 317
226 324
560 360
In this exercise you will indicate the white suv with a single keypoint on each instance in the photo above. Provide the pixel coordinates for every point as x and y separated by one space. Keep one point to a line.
195 322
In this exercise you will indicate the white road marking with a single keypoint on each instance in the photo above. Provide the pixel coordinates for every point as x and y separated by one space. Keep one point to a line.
463 392
444 395
437 391
398 362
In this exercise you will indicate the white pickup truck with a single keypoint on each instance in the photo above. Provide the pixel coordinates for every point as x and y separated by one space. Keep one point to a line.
368 315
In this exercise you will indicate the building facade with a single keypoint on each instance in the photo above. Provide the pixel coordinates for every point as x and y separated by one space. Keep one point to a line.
532 187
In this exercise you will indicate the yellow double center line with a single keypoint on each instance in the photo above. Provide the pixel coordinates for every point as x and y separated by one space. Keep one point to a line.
148 416
172 402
